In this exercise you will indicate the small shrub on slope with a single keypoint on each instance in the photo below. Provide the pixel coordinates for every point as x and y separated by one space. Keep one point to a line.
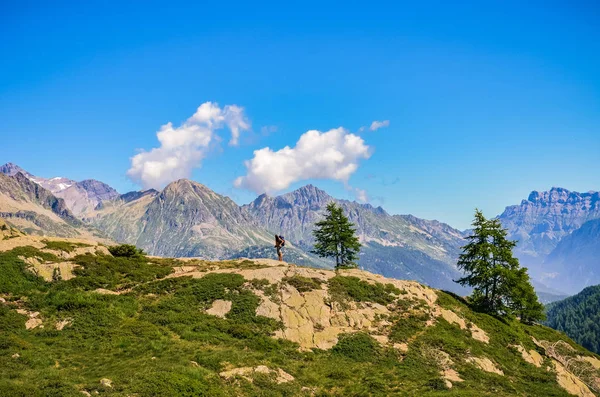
125 250
303 284
343 288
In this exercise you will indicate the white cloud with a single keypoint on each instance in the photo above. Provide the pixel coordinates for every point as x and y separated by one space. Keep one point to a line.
183 148
236 121
361 195
334 154
375 125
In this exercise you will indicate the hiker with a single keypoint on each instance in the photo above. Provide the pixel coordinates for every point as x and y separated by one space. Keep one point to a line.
279 244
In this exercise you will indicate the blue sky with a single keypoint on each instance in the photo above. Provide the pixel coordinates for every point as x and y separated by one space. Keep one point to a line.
485 102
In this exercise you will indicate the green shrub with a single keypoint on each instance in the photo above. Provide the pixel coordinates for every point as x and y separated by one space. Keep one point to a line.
358 346
115 272
65 246
15 279
145 343
344 288
125 251
303 284
407 326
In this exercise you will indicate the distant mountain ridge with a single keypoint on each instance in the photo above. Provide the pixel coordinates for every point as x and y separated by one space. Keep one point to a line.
189 219
33 209
54 185
79 197
541 223
542 220
575 262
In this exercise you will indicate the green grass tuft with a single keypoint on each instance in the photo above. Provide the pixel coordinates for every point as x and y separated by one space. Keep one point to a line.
65 246
303 284
352 288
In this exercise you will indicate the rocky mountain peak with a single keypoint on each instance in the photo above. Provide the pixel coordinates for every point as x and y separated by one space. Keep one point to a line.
183 185
541 221
97 189
21 188
308 195
559 195
11 169
261 200
20 177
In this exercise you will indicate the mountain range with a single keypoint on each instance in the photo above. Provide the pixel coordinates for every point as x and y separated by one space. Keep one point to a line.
187 219
557 233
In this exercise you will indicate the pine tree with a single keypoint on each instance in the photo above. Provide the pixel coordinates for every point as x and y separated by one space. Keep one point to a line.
500 285
475 261
336 238
523 300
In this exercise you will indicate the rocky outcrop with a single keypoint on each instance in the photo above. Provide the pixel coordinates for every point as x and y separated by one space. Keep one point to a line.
476 332
314 319
571 383
219 308
7 231
33 319
531 356
247 372
485 364
50 271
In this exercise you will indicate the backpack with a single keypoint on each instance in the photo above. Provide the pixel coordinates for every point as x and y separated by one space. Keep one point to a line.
282 241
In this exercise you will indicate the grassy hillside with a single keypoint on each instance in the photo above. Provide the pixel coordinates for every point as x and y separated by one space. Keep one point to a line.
143 326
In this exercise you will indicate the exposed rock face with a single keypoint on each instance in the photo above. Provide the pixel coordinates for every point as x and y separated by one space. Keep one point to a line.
33 319
130 196
11 169
246 372
7 231
48 270
485 364
476 332
219 308
570 382
314 320
60 325
531 356
542 220
83 197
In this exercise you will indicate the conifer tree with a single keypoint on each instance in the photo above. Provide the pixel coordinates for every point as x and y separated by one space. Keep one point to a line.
500 285
336 238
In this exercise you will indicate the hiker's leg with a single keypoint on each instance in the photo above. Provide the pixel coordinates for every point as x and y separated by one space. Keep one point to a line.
280 254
